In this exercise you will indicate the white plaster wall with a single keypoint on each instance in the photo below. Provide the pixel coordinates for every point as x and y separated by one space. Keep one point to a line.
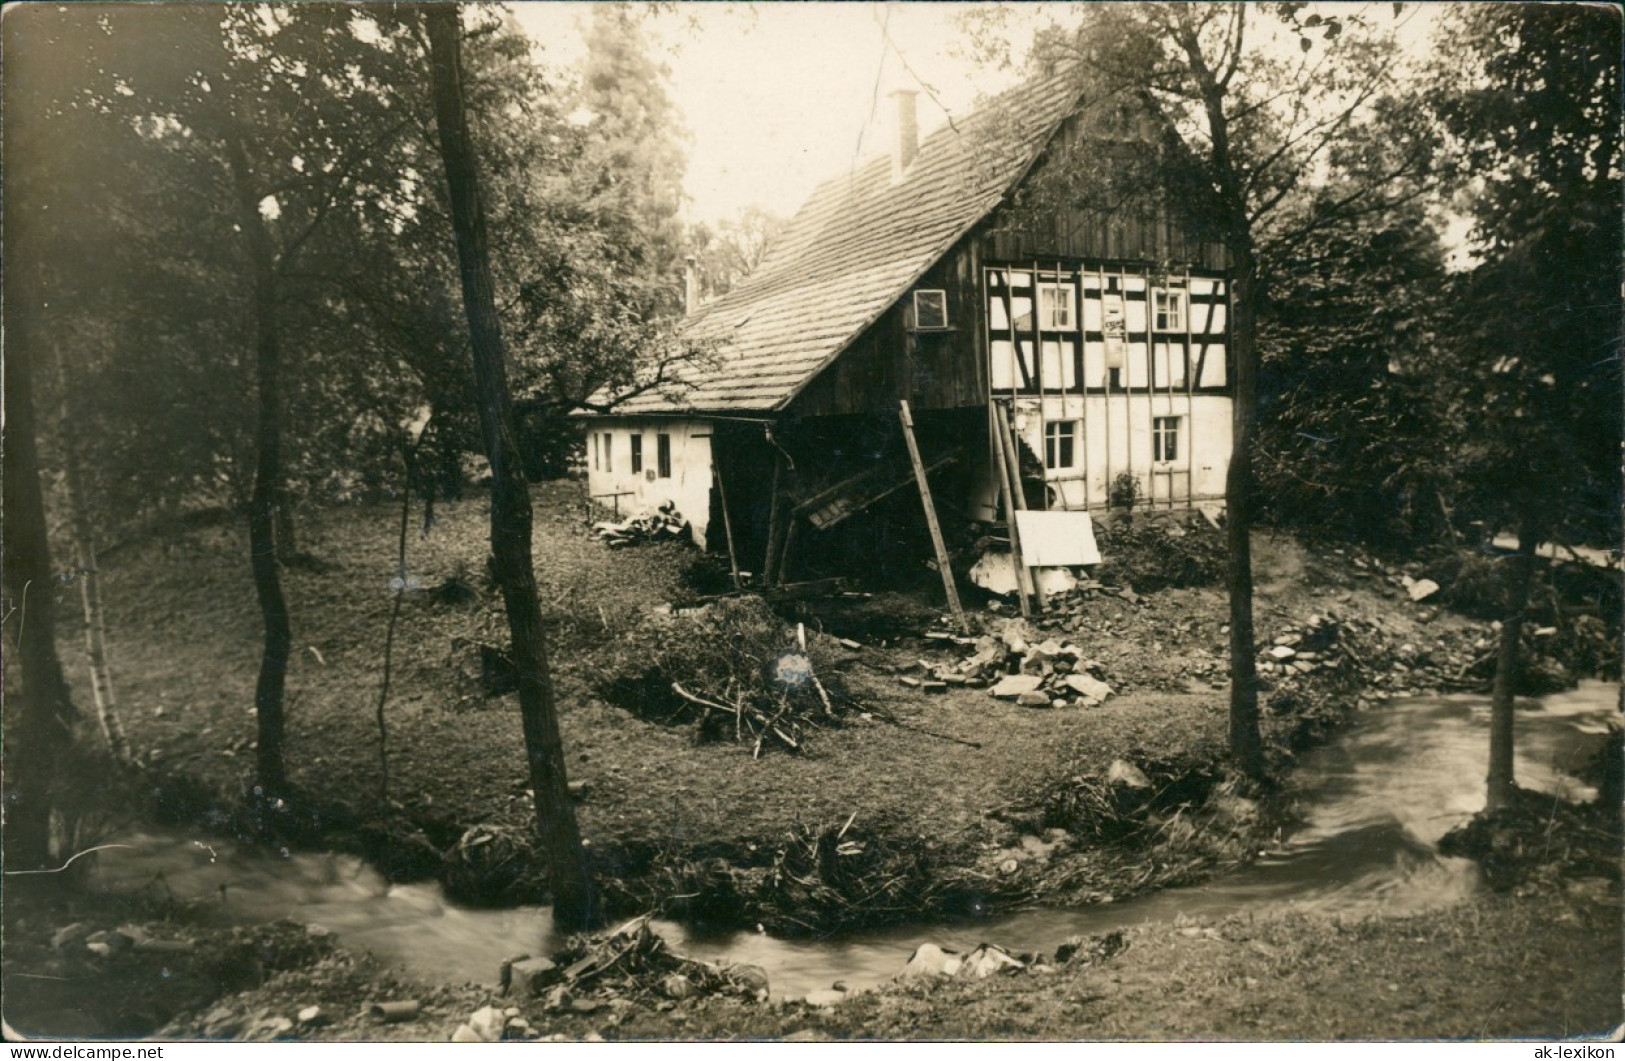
1117 437
689 486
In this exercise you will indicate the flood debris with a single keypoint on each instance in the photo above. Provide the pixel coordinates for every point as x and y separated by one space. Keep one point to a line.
630 962
394 1012
733 669
932 961
663 523
1045 674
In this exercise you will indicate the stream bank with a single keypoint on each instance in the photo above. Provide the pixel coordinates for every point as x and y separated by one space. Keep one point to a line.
757 840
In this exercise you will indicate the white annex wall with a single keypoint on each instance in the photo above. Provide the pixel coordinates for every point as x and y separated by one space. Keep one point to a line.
689 485
1116 437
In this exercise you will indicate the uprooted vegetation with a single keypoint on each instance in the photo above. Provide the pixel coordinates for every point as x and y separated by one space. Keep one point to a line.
822 879
732 668
1539 839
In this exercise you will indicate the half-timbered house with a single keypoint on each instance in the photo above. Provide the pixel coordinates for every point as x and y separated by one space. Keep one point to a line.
1097 339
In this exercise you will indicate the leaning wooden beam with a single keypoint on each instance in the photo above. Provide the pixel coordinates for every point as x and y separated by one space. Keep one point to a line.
1012 457
931 517
727 523
784 553
1010 523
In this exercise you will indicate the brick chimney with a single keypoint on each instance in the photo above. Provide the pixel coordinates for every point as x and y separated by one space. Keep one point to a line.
906 145
691 284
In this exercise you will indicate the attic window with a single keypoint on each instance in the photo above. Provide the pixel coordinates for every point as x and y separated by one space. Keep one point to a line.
930 310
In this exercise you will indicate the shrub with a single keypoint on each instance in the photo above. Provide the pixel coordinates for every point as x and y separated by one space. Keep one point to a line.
1154 554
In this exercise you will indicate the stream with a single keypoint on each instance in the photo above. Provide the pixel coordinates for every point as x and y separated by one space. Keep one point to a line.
1374 803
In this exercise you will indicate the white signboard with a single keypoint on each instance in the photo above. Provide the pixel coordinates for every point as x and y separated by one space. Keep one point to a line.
1114 324
1057 539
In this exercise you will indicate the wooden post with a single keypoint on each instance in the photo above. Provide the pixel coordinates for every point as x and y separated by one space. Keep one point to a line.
727 521
1010 517
931 516
1012 457
775 518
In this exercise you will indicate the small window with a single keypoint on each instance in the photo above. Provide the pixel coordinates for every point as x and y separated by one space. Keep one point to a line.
1165 438
637 454
1061 444
1055 307
1170 309
609 452
597 464
930 310
663 456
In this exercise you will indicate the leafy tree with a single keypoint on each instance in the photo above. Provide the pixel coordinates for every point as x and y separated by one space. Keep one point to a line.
1349 438
1531 97
731 251
632 168
1243 129
275 120
574 902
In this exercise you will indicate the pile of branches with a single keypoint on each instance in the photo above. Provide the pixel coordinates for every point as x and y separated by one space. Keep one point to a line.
1130 804
733 669
831 878
634 960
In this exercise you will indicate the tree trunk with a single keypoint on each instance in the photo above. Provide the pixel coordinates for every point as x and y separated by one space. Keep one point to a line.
574 901
89 577
270 689
90 596
1246 746
1501 787
43 712
287 543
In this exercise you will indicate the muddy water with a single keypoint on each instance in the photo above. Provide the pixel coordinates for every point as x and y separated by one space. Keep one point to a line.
1373 803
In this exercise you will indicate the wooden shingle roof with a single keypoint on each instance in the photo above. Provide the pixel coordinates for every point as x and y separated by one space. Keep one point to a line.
853 250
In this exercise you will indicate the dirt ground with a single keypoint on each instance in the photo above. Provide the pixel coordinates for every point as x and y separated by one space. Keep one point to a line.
965 777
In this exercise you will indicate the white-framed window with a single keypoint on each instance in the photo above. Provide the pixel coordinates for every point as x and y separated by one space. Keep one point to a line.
1061 445
609 452
663 455
1165 438
1169 308
930 309
1056 311
637 453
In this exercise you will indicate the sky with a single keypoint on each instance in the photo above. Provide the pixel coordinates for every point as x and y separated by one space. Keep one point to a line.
779 96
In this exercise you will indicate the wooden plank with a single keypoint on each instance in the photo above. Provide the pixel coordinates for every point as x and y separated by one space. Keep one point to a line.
775 518
931 516
1010 519
1012 457
727 521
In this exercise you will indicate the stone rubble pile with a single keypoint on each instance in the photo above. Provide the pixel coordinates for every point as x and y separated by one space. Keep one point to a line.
1048 674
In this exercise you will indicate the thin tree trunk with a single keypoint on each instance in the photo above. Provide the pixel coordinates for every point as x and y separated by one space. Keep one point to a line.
103 697
1246 746
270 688
1502 789
574 901
44 714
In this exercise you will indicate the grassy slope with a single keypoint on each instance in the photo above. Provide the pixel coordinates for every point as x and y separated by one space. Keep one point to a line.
184 633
